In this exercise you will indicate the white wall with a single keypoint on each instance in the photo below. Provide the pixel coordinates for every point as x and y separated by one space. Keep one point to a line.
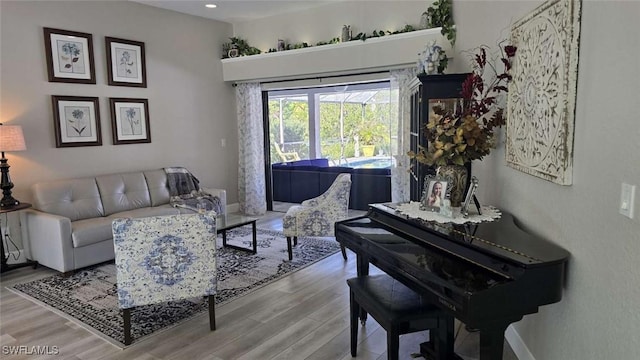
190 108
599 316
325 22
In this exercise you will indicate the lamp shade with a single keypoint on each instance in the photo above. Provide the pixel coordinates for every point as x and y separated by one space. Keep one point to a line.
11 138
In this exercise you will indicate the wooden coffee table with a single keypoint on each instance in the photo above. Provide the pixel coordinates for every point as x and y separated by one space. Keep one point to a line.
232 221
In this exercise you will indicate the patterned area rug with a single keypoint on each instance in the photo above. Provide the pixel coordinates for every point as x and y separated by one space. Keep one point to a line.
89 296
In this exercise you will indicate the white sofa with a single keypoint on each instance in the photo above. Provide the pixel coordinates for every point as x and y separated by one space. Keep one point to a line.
69 226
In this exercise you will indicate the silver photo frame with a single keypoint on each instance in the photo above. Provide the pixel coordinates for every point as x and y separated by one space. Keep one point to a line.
471 196
435 191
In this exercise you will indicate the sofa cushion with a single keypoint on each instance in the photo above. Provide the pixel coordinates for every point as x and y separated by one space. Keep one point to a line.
76 199
90 231
158 188
122 192
148 211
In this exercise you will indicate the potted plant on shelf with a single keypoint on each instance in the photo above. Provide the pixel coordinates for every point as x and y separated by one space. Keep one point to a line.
458 137
238 47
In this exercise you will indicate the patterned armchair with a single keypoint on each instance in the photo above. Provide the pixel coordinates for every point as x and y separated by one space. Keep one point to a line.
164 258
316 217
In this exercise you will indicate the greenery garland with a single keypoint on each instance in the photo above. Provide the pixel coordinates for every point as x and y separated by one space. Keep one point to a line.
440 15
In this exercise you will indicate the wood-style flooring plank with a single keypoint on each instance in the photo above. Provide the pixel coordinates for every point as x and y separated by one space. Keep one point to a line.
309 344
282 340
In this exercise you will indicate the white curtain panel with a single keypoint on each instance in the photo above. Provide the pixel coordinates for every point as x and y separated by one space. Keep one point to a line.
401 99
251 182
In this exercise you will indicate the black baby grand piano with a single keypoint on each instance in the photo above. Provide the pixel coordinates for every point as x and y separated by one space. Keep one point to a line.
486 275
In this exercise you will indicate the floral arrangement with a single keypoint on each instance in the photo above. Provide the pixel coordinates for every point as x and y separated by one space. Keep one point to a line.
467 133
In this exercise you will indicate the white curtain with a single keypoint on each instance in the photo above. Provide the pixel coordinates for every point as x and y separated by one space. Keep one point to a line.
401 99
251 182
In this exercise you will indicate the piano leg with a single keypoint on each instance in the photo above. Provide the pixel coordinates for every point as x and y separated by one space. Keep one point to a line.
441 341
362 265
445 338
492 342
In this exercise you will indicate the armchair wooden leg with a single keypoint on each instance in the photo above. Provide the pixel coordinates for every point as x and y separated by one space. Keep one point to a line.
289 248
126 316
295 240
212 312
344 251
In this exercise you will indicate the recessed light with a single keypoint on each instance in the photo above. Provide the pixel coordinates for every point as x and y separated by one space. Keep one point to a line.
211 6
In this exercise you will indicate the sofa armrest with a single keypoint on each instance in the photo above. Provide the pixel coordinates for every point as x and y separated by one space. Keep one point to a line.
47 239
222 194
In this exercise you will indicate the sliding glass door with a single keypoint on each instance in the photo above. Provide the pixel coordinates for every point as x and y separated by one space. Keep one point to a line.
350 125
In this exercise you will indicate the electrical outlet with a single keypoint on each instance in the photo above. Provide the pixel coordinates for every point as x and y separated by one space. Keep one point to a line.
627 198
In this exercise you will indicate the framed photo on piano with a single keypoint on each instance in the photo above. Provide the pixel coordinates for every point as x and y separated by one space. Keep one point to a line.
434 193
471 196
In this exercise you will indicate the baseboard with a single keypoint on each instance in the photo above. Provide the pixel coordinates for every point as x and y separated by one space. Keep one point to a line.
517 345
20 257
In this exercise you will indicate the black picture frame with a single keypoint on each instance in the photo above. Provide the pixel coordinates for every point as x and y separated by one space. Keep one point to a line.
130 121
76 121
69 56
126 62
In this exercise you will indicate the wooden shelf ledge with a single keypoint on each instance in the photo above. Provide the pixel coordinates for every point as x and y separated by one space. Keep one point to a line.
353 57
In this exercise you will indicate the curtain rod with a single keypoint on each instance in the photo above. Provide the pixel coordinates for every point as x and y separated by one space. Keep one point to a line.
318 77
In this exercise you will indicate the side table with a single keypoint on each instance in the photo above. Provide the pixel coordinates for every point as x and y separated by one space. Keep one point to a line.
5 257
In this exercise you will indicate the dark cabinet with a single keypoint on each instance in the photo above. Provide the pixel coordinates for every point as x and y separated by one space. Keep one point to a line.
428 91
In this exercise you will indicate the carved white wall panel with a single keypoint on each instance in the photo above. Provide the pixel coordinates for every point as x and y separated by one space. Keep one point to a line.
542 94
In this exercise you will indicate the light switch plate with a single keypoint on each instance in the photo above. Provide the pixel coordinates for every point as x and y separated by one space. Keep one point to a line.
627 198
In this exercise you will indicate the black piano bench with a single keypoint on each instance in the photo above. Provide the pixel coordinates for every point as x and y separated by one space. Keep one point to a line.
398 309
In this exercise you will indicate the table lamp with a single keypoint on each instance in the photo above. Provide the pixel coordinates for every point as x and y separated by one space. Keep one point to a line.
11 139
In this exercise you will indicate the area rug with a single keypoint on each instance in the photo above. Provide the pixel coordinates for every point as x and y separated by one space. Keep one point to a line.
89 296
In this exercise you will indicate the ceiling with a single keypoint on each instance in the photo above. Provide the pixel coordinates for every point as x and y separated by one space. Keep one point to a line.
235 10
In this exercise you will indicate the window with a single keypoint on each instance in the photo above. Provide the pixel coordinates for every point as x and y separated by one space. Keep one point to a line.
350 124
289 127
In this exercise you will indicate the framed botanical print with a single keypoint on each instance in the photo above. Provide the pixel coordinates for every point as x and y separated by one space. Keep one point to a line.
126 62
69 56
76 121
130 121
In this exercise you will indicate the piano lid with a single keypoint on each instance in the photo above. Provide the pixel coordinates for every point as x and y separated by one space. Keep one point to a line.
501 238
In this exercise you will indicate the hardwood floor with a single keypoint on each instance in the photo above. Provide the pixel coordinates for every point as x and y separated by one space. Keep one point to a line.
302 316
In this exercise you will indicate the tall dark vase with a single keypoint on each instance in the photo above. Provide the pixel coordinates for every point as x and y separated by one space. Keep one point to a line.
457 175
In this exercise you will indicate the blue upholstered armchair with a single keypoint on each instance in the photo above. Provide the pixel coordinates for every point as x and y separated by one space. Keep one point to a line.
317 216
164 258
